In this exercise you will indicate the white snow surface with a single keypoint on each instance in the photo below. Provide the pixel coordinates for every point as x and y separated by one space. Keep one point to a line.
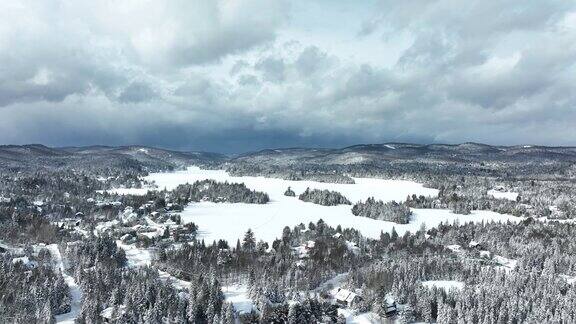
237 294
444 284
454 248
505 263
385 190
503 194
336 281
230 221
177 283
359 318
127 191
569 279
137 257
75 292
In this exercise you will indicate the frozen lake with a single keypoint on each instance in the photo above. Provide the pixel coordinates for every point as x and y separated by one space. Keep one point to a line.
230 221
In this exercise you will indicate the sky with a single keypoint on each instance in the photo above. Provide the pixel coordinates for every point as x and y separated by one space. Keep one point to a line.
240 75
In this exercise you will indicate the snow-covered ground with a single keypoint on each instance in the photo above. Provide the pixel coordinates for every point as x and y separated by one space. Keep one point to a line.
337 281
569 279
503 194
455 248
444 284
230 221
75 291
177 283
362 318
363 188
137 257
141 257
505 263
127 191
237 294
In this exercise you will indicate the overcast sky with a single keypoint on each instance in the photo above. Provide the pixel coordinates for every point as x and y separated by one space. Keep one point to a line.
240 75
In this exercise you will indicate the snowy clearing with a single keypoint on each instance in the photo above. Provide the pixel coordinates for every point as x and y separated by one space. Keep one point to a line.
505 263
503 194
176 283
237 294
136 257
444 284
337 281
363 318
455 248
569 279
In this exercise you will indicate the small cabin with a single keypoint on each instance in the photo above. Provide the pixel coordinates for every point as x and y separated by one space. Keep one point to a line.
475 245
346 297
390 307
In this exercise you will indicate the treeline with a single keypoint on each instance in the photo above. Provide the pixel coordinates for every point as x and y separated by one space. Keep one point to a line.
324 197
31 290
22 224
139 295
211 190
535 291
294 174
276 275
377 209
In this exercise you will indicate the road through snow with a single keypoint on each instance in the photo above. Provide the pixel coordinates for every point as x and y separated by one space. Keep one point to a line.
75 292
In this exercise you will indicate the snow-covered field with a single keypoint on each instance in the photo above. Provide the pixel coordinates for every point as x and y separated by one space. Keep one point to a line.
238 295
505 263
137 257
363 318
503 194
363 188
230 221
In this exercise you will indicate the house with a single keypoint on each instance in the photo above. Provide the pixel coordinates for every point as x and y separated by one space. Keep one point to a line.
346 297
475 245
390 307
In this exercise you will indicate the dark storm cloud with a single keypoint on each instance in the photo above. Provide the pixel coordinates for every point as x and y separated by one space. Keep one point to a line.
237 75
137 92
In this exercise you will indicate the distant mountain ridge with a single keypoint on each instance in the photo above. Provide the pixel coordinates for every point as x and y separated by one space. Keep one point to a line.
150 158
135 157
404 151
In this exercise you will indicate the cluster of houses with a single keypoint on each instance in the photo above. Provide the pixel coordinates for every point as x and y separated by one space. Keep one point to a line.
347 298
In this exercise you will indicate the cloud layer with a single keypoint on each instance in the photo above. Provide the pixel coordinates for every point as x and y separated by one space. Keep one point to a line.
240 75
